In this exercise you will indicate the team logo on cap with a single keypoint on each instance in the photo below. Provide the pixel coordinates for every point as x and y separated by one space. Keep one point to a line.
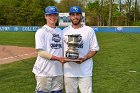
52 8
75 8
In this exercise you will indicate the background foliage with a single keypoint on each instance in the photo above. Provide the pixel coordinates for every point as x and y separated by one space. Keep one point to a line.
98 13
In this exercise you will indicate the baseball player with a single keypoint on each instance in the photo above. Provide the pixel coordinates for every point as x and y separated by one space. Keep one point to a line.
79 73
48 66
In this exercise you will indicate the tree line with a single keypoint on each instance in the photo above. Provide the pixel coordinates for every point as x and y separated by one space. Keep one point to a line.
98 13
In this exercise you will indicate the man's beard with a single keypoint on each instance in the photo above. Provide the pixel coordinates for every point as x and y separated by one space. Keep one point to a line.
77 23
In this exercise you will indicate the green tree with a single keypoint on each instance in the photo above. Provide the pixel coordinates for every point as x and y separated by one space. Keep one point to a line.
7 12
30 13
64 5
23 12
92 13
110 13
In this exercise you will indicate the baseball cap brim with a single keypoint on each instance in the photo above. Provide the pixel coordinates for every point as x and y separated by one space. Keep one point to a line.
51 13
75 12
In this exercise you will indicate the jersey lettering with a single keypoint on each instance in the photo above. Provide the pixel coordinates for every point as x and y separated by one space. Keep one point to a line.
56 46
56 38
56 41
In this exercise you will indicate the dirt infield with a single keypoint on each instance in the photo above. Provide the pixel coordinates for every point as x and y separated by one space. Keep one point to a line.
10 54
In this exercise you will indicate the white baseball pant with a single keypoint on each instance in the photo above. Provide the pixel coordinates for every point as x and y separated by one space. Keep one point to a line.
72 84
48 84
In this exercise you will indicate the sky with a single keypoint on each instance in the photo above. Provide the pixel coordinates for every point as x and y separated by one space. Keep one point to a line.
57 1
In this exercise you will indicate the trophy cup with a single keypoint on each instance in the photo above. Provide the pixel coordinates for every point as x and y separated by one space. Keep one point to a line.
73 41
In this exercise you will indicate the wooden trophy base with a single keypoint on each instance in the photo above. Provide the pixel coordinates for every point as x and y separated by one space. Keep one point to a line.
72 60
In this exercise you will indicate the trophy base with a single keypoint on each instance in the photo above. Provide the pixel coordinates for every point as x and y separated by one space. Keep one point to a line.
72 55
72 60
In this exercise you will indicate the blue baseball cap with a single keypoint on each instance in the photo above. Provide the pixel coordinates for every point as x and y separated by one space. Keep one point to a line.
51 10
75 9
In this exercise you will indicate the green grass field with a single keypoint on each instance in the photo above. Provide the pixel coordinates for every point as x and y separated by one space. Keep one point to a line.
116 65
17 38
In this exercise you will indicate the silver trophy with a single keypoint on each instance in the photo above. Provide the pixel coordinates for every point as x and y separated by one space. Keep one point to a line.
73 42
